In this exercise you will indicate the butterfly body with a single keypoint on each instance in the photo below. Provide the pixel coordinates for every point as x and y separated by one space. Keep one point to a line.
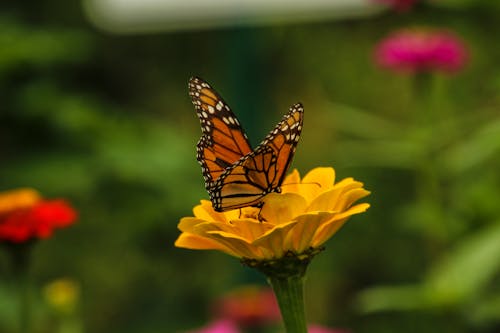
236 175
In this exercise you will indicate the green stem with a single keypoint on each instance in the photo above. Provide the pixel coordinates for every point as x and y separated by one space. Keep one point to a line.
20 262
431 133
286 276
25 304
289 292
424 111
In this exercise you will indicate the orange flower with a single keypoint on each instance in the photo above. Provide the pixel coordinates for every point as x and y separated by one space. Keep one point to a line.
24 215
302 218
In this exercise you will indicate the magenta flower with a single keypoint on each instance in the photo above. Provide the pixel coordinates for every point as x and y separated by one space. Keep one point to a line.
398 5
421 50
322 329
218 326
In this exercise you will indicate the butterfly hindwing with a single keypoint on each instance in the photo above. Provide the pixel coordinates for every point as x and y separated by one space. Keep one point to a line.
262 171
240 186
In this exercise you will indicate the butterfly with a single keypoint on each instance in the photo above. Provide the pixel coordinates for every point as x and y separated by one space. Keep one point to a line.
236 175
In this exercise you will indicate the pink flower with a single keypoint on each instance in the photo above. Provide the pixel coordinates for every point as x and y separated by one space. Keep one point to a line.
218 326
421 50
399 5
249 306
322 329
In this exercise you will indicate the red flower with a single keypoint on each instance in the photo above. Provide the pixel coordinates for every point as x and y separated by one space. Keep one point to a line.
249 306
25 216
421 50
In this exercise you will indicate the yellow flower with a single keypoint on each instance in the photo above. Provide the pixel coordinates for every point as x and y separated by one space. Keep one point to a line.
302 218
62 294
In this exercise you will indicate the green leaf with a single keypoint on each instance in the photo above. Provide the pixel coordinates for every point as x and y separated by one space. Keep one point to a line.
467 269
473 151
455 280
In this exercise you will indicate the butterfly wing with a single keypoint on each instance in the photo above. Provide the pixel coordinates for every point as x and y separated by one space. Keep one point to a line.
261 171
223 141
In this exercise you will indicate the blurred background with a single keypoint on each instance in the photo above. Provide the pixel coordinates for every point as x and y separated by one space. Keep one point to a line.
94 108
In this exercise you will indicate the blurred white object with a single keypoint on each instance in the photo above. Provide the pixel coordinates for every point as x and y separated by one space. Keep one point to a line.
133 16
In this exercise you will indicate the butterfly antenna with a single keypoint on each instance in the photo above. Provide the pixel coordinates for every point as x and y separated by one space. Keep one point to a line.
311 183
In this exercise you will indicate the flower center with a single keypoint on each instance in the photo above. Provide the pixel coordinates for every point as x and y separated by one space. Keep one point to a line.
250 214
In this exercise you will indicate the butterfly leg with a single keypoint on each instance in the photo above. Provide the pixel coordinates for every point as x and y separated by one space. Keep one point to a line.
259 215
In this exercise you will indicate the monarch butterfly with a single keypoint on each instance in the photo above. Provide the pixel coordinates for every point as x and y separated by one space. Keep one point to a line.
236 175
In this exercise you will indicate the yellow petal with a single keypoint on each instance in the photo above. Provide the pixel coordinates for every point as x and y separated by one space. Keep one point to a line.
248 229
220 232
327 230
206 212
325 201
196 242
329 227
251 229
301 237
274 240
187 224
282 208
349 197
236 244
204 227
291 182
234 214
359 208
344 182
336 198
325 176
316 181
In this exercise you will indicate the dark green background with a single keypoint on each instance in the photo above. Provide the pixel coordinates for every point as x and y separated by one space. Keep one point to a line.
105 121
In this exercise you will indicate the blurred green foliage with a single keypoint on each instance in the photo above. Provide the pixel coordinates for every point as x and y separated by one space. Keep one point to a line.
105 121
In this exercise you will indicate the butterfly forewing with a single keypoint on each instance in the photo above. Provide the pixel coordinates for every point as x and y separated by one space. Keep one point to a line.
223 141
283 140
